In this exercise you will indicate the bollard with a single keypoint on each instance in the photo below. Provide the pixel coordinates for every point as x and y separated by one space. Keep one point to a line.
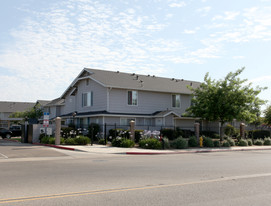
201 142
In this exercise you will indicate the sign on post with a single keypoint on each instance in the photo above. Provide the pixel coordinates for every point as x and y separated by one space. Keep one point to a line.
49 131
46 119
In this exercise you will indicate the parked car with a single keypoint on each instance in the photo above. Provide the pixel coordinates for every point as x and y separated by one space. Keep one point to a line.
5 133
16 130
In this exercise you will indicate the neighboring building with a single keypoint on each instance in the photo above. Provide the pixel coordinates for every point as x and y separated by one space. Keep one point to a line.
116 98
55 107
7 108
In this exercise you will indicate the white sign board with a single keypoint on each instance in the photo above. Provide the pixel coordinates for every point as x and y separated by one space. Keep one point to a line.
49 131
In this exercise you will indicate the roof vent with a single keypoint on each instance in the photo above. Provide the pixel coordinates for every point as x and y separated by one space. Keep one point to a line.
133 74
149 75
153 75
172 79
118 71
181 79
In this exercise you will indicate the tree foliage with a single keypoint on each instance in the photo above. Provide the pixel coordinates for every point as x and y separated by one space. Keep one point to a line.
226 99
33 113
267 115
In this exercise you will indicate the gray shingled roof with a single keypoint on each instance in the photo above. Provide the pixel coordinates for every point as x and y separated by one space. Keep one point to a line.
141 82
55 102
15 106
43 102
134 81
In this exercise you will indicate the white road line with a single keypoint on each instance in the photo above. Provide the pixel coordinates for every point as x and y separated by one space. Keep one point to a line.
4 156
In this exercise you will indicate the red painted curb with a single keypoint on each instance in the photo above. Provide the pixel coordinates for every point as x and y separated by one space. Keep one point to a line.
55 146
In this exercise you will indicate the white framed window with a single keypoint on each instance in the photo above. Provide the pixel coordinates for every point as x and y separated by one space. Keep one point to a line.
176 100
132 98
87 99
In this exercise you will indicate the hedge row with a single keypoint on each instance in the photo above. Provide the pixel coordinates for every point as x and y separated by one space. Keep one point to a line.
79 140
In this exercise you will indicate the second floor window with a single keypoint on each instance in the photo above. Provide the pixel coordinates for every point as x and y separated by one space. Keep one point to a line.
176 100
132 97
87 99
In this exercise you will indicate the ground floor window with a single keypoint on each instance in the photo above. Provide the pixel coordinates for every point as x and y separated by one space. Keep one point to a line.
126 121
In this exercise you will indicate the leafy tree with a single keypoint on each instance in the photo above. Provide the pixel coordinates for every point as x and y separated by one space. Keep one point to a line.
226 99
33 113
267 115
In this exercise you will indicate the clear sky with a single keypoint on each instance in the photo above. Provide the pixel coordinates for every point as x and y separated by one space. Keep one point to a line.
44 44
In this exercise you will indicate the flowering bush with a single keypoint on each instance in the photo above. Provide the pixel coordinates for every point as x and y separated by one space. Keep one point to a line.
150 143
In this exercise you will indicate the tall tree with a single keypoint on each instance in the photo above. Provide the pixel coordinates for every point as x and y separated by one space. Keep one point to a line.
267 115
226 99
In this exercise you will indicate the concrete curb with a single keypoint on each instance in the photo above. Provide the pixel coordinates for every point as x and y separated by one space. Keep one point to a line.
197 151
232 149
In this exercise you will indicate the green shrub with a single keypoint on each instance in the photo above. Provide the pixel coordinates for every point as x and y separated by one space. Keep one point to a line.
211 134
42 135
169 133
93 129
150 143
114 133
166 143
180 143
82 140
65 132
116 142
259 134
70 141
138 135
243 143
185 133
231 141
258 142
249 142
225 144
216 143
230 130
101 141
208 142
192 141
62 140
51 140
44 140
267 141
127 143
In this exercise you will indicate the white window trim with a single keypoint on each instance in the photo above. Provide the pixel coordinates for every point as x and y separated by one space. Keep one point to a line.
133 105
175 102
91 99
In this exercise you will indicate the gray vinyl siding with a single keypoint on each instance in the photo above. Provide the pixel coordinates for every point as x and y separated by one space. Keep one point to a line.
99 96
185 123
70 104
148 102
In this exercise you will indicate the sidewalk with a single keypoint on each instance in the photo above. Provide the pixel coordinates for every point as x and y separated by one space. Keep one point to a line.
138 151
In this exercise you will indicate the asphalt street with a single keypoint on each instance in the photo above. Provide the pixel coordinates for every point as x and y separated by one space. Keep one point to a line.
35 175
